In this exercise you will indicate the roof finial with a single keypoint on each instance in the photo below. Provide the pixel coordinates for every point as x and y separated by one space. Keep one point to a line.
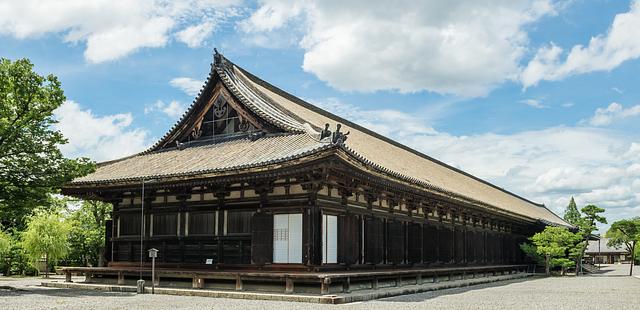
217 57
326 132
339 137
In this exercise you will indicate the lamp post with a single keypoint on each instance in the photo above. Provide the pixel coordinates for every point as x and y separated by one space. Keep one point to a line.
142 228
153 253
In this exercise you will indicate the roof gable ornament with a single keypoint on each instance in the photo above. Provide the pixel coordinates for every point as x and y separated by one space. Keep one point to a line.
337 137
217 57
218 60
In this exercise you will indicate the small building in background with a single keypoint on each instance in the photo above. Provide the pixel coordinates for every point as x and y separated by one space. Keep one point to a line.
598 252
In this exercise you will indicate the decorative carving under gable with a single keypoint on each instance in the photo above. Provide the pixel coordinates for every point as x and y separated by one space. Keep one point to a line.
220 115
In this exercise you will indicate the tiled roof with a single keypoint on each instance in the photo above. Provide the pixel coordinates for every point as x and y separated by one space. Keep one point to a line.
207 158
600 246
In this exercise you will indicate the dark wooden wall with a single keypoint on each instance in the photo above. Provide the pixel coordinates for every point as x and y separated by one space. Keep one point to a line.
388 237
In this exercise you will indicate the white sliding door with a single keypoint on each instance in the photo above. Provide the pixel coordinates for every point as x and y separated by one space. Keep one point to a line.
287 238
329 239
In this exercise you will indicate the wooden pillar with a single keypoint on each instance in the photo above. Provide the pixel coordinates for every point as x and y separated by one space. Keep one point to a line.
313 231
67 275
324 285
288 285
238 283
346 285
197 282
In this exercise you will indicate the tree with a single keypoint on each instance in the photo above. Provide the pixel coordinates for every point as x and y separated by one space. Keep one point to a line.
571 214
31 164
531 251
88 233
5 243
554 242
564 264
625 232
587 225
46 236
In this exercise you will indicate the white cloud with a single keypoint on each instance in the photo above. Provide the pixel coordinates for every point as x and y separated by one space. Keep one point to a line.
115 28
189 86
614 112
173 109
549 165
385 122
533 103
98 137
596 166
452 47
194 35
603 53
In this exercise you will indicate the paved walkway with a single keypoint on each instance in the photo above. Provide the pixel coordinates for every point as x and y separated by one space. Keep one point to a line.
608 290
617 270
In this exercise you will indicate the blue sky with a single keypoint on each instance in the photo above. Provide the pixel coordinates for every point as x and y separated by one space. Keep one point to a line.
538 96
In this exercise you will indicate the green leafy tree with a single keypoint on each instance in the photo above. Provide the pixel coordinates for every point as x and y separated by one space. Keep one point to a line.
531 251
88 233
5 243
46 237
564 263
587 224
31 164
571 214
554 242
17 261
5 249
627 233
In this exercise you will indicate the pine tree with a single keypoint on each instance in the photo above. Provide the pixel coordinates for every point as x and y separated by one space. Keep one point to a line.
571 214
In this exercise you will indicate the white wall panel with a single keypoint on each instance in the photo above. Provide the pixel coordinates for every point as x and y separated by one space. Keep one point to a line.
280 238
329 239
295 238
287 238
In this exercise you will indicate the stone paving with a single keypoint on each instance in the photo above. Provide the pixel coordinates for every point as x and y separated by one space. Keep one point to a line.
611 289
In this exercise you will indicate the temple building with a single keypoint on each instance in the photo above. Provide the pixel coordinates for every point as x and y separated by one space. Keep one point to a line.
254 178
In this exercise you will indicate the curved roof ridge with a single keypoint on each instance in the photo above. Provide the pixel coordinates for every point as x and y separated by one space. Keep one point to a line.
257 102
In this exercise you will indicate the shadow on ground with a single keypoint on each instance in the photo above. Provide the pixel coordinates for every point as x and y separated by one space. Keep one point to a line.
6 291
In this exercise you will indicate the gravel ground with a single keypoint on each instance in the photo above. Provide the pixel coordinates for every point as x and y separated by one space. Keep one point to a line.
609 290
